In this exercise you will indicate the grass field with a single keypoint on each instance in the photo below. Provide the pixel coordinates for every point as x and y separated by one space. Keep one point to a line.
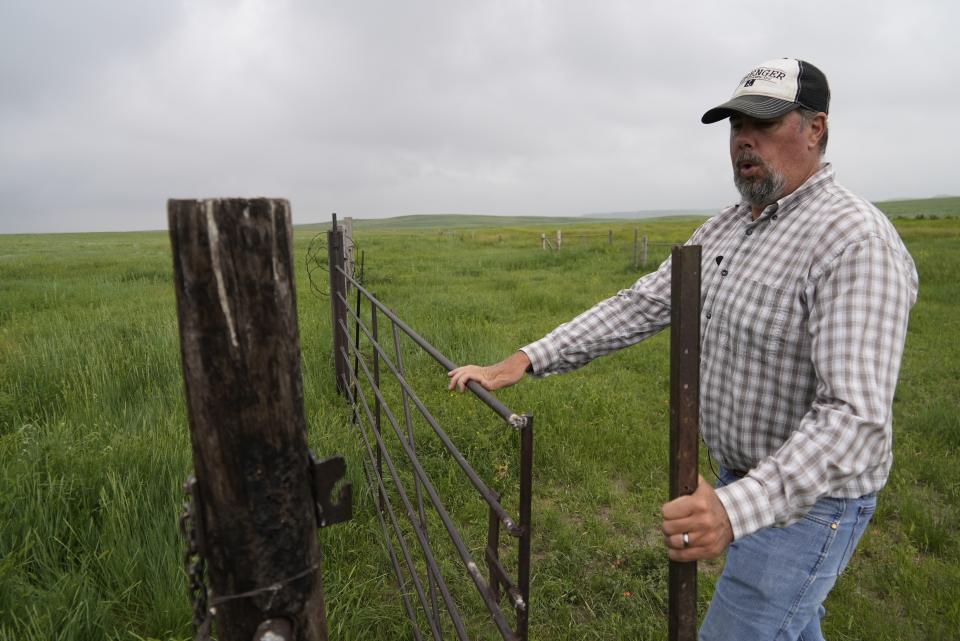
94 442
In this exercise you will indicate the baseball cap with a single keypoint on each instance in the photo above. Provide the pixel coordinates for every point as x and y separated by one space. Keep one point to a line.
774 88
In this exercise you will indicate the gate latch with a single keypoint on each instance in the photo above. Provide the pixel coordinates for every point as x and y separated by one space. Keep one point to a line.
324 475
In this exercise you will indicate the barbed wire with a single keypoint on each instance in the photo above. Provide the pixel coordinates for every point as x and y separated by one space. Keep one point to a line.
317 263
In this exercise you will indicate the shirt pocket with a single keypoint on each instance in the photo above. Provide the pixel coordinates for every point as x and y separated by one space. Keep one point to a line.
757 319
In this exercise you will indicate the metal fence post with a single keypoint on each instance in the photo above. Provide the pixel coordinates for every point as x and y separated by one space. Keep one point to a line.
338 305
684 417
525 513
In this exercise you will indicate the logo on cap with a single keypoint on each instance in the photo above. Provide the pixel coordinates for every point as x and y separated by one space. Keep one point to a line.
767 73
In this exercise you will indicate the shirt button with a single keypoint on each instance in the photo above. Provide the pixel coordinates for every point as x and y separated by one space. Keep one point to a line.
749 231
774 217
708 315
723 272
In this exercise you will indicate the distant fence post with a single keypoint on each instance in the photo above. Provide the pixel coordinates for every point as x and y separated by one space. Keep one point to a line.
643 258
684 424
338 294
543 242
349 255
559 239
240 348
636 263
609 236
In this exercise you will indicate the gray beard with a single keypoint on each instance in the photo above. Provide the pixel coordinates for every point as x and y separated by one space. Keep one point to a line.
758 191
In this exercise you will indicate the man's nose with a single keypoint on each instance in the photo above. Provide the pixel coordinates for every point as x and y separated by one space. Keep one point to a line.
743 139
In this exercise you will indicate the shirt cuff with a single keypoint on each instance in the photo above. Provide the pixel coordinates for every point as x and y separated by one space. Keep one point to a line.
542 355
747 506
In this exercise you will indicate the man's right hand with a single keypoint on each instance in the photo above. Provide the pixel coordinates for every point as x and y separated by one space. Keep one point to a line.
492 377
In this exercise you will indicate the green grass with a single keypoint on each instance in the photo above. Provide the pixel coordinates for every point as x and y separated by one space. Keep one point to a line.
94 442
943 207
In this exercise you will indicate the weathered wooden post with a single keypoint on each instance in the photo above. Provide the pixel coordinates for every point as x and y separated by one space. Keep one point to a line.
643 259
636 263
559 239
240 347
684 423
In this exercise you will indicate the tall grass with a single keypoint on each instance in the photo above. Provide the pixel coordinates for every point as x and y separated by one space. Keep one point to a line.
94 442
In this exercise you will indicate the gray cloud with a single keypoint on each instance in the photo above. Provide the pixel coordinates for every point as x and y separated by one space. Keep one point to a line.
384 108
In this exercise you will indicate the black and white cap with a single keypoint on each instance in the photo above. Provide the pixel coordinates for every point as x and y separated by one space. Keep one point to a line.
774 88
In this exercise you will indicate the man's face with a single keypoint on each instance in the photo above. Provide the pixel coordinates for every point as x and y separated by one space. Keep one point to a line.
771 158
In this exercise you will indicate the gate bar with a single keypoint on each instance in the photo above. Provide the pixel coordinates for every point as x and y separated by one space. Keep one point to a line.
472 568
464 553
416 481
492 401
512 527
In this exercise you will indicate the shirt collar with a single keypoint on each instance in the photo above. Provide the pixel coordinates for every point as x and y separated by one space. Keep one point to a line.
796 197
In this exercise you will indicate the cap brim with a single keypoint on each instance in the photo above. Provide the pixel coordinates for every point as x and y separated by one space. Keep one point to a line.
760 107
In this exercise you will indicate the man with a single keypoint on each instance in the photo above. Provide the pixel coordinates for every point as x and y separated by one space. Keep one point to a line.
806 290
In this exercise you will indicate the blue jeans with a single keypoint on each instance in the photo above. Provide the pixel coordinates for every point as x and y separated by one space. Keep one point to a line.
776 580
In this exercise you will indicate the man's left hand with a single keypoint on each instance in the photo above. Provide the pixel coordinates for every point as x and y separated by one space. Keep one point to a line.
703 518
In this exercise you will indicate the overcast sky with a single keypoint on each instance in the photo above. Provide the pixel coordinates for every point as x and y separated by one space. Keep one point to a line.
374 109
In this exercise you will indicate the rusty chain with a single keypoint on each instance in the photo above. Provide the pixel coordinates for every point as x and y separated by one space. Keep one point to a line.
194 564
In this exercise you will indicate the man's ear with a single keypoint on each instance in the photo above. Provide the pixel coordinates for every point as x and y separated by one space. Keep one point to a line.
816 130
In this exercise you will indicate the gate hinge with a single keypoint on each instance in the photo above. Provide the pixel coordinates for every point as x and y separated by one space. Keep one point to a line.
324 475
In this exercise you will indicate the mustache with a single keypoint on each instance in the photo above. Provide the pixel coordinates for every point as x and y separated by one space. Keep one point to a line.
748 157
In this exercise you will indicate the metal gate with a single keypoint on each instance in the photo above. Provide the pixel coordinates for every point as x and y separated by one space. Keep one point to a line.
373 379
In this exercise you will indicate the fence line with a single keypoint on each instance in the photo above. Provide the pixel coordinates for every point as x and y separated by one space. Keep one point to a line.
360 382
641 244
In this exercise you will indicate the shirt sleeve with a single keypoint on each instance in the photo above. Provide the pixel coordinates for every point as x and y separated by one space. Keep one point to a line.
627 318
857 325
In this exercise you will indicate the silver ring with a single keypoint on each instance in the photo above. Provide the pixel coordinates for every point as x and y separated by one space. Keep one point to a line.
686 540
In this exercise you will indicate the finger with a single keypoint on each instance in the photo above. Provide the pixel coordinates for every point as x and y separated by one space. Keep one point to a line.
675 541
678 526
475 373
459 379
702 485
454 377
705 551
678 508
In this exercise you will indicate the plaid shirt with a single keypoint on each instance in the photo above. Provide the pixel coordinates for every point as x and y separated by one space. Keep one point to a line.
804 316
